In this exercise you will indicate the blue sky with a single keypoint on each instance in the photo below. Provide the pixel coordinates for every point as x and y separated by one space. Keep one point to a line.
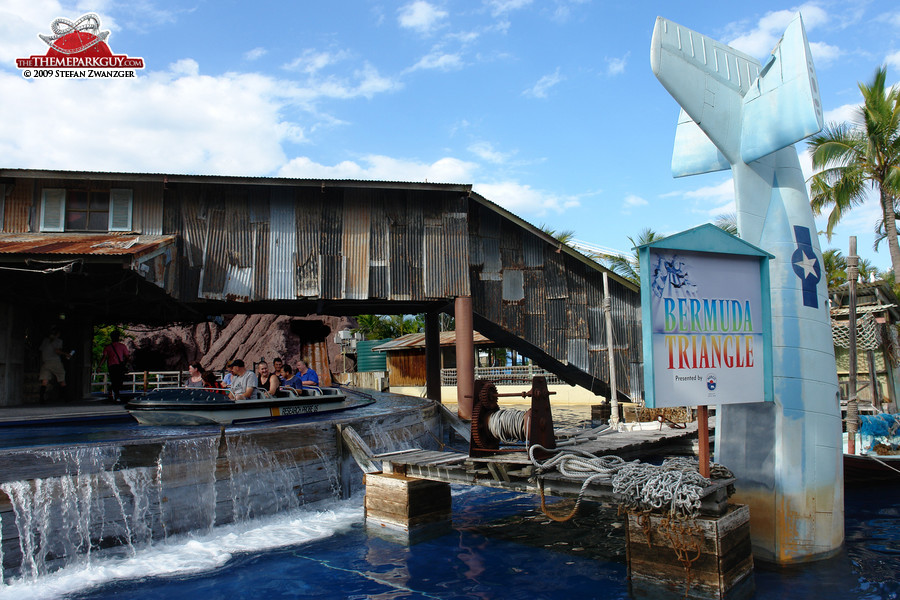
548 108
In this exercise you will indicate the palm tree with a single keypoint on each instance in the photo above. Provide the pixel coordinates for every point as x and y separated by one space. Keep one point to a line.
628 266
727 223
850 159
565 236
835 267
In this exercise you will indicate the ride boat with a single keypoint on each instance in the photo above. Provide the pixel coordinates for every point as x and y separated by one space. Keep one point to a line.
208 406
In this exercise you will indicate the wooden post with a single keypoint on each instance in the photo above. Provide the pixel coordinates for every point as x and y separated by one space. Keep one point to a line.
852 404
703 433
613 386
465 357
432 356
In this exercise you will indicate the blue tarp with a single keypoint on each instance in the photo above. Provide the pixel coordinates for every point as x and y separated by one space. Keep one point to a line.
879 425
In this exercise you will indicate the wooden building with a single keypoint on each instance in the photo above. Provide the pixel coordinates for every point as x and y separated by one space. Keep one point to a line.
406 365
154 248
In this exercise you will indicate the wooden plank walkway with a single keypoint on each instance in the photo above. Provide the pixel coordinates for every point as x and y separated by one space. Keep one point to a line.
514 471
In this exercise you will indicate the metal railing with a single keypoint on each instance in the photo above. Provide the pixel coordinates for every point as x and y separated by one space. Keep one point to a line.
518 375
134 380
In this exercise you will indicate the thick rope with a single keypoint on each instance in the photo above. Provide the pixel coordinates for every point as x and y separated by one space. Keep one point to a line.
508 425
675 486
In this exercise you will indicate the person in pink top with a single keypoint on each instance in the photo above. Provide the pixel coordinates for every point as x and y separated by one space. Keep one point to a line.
116 356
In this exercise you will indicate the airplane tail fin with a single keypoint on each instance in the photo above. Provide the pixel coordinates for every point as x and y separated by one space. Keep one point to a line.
783 105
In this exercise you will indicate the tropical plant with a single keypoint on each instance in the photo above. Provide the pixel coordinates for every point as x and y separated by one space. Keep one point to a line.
835 267
379 327
566 236
727 223
851 159
628 265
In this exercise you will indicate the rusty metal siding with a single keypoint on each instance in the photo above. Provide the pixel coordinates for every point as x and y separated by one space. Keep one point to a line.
455 248
434 256
356 244
490 270
511 252
214 259
309 219
282 244
415 243
513 285
188 203
396 213
532 250
332 260
379 249
18 207
260 235
147 208
577 354
555 272
237 229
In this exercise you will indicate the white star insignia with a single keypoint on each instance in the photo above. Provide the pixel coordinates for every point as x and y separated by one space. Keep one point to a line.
808 264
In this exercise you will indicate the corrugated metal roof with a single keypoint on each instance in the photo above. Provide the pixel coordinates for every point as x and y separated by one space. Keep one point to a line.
417 340
81 244
861 310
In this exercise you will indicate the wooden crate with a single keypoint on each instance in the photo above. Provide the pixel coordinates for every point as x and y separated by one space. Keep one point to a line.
704 557
400 502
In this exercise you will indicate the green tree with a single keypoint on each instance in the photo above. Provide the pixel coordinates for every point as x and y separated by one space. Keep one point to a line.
628 266
835 267
850 159
379 327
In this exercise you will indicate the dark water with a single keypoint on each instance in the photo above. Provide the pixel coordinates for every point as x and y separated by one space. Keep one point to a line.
501 547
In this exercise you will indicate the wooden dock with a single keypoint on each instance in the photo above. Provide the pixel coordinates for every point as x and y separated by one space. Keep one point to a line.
515 471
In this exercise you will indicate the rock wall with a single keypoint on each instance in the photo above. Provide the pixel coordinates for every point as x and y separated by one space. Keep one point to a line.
248 337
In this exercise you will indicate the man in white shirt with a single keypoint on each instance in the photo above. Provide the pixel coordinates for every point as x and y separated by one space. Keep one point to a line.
243 382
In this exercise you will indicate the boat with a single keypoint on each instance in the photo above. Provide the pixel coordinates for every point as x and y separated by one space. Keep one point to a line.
877 456
207 406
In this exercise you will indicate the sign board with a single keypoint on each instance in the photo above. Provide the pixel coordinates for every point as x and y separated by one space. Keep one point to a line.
706 320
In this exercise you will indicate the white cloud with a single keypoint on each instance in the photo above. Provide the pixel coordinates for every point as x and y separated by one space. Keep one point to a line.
760 41
824 54
500 7
632 201
255 54
485 151
312 61
540 89
438 61
383 168
176 121
713 193
420 16
524 200
616 66
893 59
841 114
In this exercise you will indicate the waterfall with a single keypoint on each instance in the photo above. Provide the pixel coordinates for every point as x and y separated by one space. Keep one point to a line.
260 482
103 499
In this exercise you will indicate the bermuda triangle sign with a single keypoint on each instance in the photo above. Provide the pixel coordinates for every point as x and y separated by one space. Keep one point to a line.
707 316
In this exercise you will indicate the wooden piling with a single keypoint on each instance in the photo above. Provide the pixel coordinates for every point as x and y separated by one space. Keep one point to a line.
406 507
705 557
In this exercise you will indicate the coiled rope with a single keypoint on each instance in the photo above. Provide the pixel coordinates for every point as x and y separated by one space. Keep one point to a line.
675 485
508 425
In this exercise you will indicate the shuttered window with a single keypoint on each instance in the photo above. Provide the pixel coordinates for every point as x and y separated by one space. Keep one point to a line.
120 202
53 210
86 210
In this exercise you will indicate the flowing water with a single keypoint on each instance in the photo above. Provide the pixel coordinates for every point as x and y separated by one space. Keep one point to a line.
500 546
